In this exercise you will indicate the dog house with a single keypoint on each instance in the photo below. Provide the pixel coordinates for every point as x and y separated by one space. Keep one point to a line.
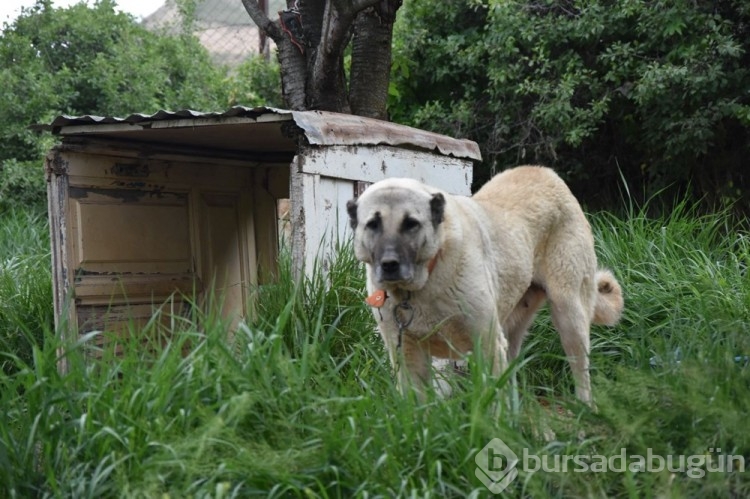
173 204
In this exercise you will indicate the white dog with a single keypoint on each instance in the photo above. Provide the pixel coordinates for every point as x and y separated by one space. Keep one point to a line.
447 272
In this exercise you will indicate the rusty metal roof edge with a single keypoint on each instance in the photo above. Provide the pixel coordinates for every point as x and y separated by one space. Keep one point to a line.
348 129
161 115
318 126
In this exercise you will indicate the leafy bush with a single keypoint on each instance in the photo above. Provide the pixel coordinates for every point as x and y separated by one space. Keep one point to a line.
82 59
255 82
22 185
655 90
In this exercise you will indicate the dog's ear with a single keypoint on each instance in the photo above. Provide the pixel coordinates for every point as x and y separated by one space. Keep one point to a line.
437 207
351 207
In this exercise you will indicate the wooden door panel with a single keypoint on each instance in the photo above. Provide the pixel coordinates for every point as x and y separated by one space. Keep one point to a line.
141 235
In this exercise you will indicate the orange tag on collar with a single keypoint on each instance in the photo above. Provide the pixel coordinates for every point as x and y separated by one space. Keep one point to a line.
377 298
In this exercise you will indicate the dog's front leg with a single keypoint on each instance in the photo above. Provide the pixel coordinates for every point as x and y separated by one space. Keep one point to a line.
409 360
413 367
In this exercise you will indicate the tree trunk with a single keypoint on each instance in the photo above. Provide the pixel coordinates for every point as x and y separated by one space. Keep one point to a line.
371 59
312 55
293 71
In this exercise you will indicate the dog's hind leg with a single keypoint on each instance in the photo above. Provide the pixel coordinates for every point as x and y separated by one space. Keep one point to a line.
517 324
572 323
494 345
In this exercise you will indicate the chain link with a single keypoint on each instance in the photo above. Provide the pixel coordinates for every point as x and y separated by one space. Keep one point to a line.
407 309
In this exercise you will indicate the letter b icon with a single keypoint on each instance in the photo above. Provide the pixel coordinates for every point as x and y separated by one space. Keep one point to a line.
496 465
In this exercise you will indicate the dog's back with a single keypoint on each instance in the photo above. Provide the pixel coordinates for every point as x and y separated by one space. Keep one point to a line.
534 194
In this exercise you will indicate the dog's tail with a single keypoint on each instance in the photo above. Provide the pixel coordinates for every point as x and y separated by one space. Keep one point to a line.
609 301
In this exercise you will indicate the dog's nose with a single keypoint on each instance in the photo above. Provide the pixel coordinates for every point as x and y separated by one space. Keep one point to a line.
390 269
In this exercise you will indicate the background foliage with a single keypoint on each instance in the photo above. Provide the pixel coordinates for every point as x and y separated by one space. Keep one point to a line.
94 60
655 92
652 93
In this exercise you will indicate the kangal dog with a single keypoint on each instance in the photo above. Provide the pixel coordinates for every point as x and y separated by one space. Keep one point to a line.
446 273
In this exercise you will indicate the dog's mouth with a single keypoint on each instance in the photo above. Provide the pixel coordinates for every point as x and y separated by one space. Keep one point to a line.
394 272
400 273
407 277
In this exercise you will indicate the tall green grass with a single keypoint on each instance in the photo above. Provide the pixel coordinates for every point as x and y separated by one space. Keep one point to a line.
301 402
25 283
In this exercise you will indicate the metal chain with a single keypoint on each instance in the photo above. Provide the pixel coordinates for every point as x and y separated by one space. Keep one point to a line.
406 307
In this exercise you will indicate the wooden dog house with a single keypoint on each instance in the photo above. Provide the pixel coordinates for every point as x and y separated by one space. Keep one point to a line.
171 204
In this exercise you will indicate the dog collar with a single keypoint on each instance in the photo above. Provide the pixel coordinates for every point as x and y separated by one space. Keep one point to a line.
378 297
433 261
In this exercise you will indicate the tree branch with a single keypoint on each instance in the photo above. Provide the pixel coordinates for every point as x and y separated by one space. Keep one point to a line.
261 20
327 82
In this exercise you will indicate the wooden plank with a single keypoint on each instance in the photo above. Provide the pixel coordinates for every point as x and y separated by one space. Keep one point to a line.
87 170
325 198
130 233
106 289
371 164
121 325
56 165
225 253
298 218
317 202
175 152
266 228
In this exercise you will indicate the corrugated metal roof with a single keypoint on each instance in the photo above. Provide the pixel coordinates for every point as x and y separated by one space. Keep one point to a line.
319 128
346 129
161 115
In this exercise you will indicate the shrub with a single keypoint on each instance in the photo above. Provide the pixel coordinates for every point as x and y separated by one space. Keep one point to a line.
655 91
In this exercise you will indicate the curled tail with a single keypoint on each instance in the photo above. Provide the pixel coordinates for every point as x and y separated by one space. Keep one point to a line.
609 301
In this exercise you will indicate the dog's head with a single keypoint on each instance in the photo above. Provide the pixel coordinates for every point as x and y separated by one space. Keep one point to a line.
396 226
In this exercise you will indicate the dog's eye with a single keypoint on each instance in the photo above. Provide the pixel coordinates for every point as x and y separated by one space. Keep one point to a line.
373 224
410 224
